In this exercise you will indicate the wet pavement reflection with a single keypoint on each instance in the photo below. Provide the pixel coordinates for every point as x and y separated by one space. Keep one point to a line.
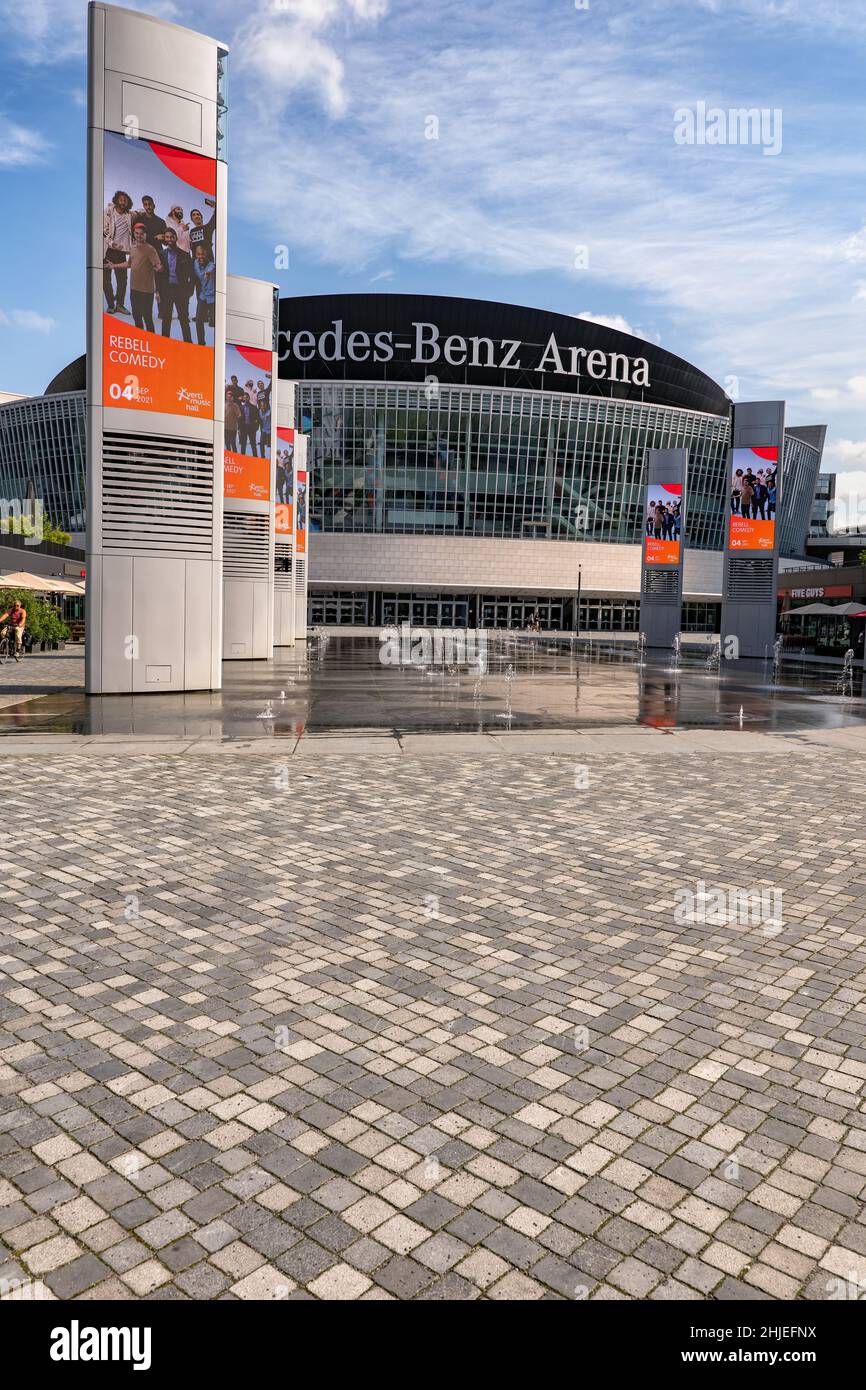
517 682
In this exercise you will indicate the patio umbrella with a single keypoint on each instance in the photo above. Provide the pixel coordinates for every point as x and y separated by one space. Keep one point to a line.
39 584
812 610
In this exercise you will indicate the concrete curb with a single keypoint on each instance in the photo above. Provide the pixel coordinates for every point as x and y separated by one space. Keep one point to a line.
613 739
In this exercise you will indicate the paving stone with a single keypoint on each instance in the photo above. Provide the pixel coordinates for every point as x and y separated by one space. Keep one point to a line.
564 1278
634 1277
516 1287
428 1129
73 1278
450 1288
403 1277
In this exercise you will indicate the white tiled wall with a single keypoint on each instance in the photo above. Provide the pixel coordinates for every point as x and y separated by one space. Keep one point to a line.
448 562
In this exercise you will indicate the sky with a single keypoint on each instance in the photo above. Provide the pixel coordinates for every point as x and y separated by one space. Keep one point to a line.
530 151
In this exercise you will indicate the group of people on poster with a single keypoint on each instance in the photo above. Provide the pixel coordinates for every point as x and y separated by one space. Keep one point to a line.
285 466
753 493
170 258
248 418
664 519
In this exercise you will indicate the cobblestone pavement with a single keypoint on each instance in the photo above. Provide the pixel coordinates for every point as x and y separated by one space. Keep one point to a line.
42 673
432 1028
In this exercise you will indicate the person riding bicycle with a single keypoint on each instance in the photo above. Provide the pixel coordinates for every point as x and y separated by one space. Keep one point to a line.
16 618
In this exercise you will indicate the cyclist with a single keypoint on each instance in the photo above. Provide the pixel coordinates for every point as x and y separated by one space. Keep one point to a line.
16 618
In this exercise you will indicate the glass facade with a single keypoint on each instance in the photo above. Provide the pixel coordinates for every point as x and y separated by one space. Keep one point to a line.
822 506
554 613
42 455
464 461
451 461
799 480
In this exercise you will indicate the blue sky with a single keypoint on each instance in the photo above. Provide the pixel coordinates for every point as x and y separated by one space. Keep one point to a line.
555 131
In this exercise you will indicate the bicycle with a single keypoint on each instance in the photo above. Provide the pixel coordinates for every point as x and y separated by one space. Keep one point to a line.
8 645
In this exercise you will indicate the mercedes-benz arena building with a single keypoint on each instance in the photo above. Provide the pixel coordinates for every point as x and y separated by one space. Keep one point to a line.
470 460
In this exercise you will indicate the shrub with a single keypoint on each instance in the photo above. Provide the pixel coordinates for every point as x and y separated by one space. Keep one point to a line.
44 623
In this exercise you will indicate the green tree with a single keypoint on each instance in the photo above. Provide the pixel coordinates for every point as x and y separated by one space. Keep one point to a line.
44 622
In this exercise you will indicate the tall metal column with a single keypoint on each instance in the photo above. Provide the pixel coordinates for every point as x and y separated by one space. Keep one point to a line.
155 346
250 469
284 523
302 535
664 521
752 535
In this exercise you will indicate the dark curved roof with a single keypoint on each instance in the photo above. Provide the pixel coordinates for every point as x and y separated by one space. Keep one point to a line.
672 380
72 377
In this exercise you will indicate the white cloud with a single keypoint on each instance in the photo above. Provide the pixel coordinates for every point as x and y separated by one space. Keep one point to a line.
553 135
844 456
288 49
383 275
847 459
849 505
28 319
852 393
826 16
19 147
548 139
616 321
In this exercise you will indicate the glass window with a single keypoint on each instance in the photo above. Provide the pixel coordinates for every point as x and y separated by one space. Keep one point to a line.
500 463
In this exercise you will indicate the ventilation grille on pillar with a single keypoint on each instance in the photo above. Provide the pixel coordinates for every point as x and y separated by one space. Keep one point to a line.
749 580
661 583
157 495
283 579
300 570
246 541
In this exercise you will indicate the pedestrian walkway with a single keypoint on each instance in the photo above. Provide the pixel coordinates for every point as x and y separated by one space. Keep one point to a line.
391 1023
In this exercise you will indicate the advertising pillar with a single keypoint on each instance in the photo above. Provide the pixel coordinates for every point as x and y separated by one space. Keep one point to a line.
284 517
156 256
751 560
302 493
249 470
664 521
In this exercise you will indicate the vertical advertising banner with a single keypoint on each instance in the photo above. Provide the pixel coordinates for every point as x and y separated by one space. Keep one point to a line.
158 278
247 458
300 511
752 524
285 482
663 523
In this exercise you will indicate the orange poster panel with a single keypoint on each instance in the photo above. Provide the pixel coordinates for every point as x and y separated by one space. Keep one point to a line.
246 479
144 371
283 523
751 533
662 552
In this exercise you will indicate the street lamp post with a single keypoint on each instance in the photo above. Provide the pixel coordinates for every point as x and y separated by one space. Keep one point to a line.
577 604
